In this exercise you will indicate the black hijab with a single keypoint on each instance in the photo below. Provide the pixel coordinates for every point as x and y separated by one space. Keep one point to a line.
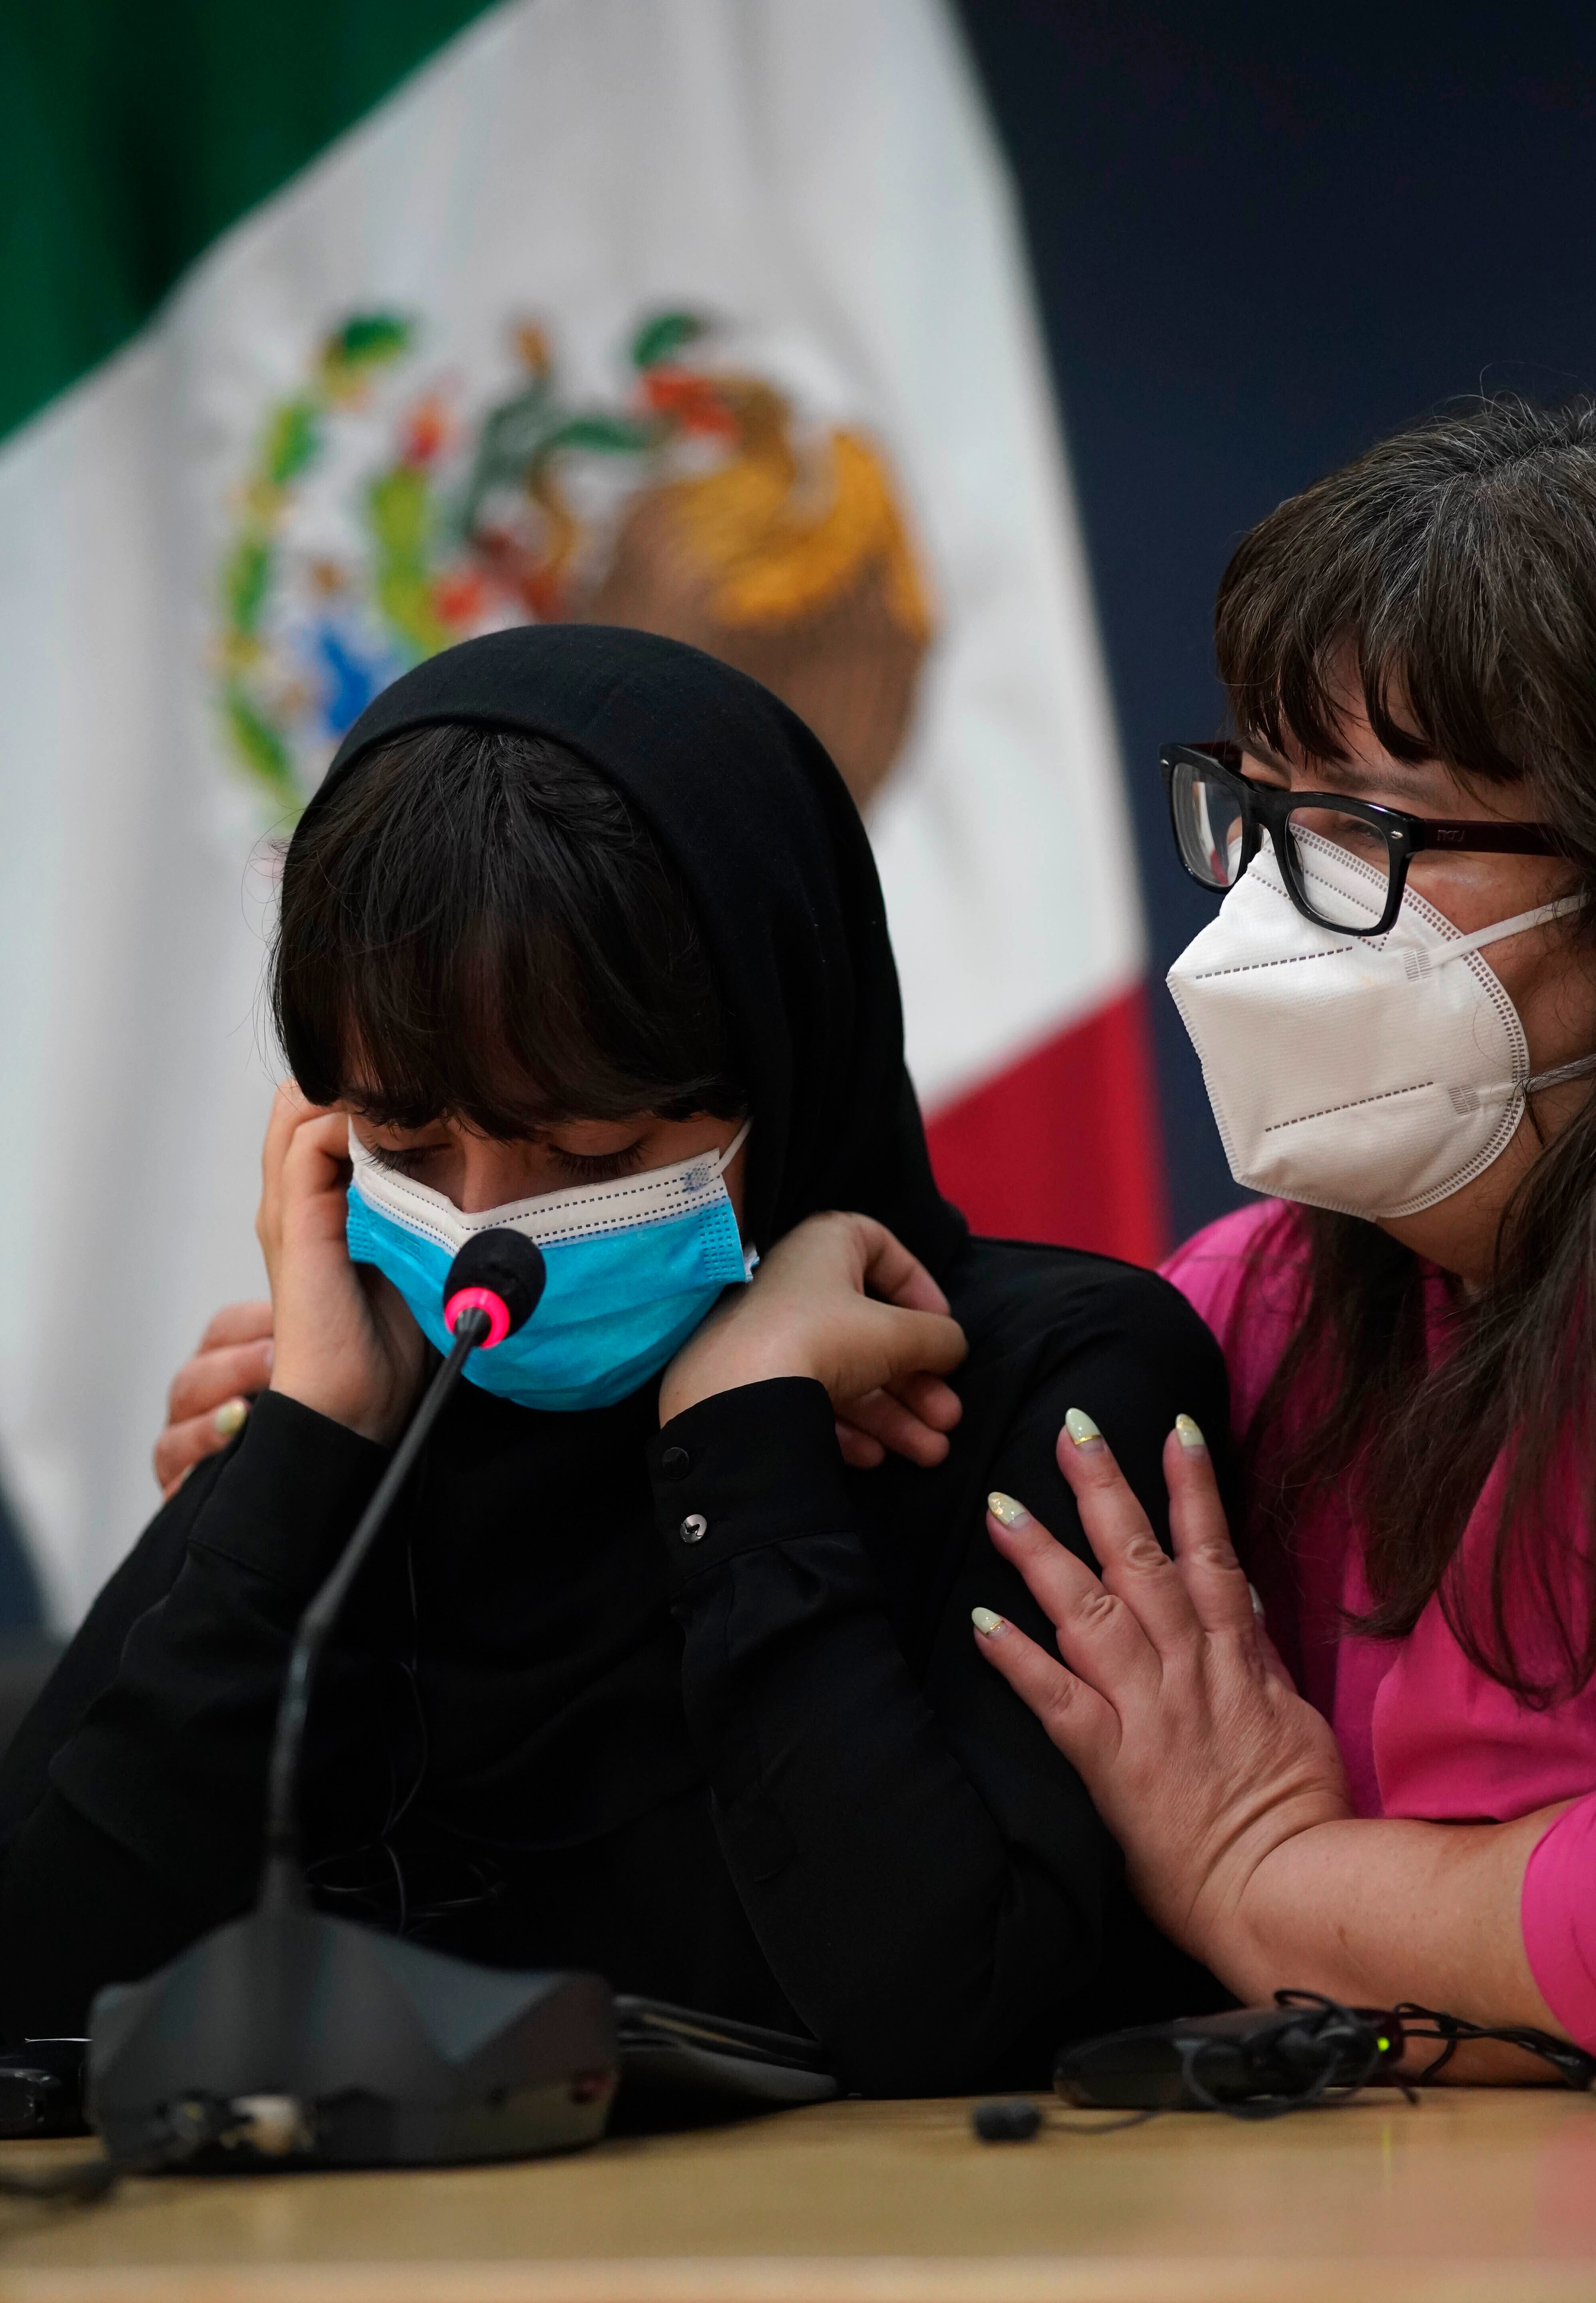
768 841
770 1777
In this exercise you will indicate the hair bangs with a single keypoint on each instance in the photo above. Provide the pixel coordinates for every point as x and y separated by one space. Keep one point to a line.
480 929
1443 582
1446 579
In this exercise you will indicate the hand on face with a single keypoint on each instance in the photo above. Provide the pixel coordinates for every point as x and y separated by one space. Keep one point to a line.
882 1361
839 1300
1171 1701
345 1344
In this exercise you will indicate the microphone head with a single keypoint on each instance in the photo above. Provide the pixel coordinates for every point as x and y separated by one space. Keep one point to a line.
499 1272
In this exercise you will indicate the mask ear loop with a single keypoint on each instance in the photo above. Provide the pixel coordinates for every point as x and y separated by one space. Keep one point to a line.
1560 1072
1499 933
1459 947
723 1159
750 1254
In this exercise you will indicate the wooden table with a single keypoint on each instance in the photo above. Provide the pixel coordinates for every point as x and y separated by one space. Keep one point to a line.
1483 2197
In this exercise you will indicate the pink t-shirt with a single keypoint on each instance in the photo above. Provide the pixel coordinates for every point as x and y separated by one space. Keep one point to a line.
1423 1731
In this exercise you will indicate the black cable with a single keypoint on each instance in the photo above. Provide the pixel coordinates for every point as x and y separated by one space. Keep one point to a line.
1572 2066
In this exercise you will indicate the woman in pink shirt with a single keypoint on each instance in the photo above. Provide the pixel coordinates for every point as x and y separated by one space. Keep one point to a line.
1396 1011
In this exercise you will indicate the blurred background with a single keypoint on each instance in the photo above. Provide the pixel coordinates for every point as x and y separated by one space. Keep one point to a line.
926 360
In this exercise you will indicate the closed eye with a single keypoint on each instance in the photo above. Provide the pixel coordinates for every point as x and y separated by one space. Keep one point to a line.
406 1159
578 1167
600 1167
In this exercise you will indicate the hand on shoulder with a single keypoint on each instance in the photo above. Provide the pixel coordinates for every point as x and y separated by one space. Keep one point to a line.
842 1302
211 1393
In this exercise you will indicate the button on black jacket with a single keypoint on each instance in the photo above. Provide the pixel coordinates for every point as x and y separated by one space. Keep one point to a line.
764 1771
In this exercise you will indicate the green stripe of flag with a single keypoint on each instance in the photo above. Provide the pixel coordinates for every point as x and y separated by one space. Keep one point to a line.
132 132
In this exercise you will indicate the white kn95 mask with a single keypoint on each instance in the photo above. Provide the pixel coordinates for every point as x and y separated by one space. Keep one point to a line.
1372 1076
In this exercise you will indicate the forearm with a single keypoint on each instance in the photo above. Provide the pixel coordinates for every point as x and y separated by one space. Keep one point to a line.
1228 1794
1374 1912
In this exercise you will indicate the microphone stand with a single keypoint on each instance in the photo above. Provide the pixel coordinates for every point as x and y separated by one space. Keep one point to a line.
282 1880
290 2037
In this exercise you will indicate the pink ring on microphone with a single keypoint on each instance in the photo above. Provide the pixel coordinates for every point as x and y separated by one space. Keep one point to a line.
479 1299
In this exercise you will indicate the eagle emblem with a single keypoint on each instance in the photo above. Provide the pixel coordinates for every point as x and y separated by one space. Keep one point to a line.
381 520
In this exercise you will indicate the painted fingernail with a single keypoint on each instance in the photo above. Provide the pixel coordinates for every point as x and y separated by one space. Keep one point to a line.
1081 1429
1189 1434
1005 1510
1257 1602
229 1418
985 1621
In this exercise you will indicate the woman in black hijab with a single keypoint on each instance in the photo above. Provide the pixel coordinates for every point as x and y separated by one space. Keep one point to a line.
674 1686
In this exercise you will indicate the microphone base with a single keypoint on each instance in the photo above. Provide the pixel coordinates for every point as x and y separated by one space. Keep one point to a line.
307 2040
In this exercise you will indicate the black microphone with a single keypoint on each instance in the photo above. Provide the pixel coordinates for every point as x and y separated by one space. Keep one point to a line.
493 1287
293 2036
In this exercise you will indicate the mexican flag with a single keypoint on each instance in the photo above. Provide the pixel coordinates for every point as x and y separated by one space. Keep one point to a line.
339 330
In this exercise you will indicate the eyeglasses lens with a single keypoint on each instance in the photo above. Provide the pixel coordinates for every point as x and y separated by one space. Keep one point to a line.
1209 826
1325 843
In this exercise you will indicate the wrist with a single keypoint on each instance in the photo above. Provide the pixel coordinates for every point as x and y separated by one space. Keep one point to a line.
364 1418
1249 1936
701 1371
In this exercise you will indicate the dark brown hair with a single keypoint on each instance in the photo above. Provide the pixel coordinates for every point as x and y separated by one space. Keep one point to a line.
479 927
1453 567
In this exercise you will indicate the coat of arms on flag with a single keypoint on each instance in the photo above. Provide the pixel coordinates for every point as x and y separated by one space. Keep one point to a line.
703 316
386 516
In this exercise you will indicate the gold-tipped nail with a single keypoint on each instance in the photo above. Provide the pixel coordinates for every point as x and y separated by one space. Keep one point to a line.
1081 1428
1004 1509
229 1418
985 1621
1189 1433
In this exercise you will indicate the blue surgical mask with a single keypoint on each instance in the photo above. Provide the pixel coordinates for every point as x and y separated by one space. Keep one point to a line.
634 1266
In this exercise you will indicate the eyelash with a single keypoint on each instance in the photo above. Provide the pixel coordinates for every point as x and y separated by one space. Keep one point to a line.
403 1163
582 1168
603 1169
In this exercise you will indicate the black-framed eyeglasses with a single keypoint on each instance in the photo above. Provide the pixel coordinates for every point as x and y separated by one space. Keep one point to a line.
1219 817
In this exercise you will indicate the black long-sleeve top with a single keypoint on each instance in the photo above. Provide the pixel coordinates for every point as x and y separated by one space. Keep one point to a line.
761 1769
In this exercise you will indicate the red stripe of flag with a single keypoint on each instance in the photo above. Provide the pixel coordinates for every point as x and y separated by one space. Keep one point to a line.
1063 1145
